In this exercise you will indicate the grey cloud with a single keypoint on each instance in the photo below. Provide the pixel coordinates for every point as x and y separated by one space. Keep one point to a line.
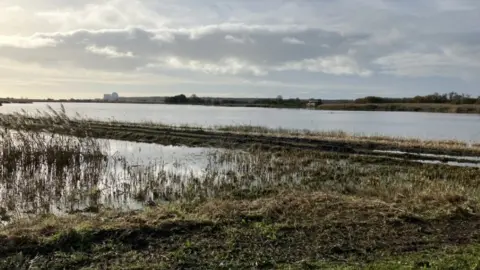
257 46
241 49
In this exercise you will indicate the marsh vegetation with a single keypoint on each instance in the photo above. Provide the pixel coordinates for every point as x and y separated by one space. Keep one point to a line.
263 199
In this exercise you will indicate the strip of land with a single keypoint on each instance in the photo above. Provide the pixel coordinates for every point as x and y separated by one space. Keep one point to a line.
440 103
403 107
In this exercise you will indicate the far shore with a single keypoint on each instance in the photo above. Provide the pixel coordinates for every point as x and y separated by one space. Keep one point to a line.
404 107
390 107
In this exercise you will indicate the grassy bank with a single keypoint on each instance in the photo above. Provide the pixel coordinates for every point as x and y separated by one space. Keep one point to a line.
404 107
287 200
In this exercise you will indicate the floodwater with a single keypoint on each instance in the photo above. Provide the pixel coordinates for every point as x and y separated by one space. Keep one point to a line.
136 173
465 127
131 175
467 159
172 158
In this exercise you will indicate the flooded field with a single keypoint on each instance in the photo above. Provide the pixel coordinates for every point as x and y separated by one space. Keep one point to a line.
434 126
80 187
45 173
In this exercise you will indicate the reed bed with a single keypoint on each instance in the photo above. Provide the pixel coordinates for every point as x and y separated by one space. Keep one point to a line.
38 168
44 173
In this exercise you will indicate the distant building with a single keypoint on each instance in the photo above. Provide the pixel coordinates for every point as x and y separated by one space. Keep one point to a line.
312 103
111 97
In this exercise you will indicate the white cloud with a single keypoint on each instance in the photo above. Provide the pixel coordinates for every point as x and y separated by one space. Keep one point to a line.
336 65
239 40
109 51
228 66
14 9
104 14
35 41
292 40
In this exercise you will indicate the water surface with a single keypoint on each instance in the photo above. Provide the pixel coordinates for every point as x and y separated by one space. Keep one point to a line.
464 127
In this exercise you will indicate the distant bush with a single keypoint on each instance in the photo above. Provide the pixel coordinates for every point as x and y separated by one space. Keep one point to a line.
451 98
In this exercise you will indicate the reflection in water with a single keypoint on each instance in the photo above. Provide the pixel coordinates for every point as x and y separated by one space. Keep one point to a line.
45 173
451 163
467 159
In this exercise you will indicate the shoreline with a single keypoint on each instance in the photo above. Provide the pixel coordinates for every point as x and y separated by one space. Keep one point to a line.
378 107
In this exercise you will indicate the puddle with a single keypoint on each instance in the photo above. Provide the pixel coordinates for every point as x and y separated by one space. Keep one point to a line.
120 175
451 163
466 158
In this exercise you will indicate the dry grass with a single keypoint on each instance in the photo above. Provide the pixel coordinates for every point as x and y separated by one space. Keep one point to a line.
303 208
341 136
248 209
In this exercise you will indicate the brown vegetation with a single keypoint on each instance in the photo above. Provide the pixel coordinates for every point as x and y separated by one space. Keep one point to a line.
276 207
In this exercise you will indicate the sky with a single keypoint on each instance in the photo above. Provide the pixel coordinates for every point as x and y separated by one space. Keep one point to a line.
239 48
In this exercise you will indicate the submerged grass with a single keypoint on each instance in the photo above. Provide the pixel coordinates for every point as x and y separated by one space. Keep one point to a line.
38 168
271 208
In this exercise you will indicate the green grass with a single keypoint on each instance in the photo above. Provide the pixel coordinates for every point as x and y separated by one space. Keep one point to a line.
465 257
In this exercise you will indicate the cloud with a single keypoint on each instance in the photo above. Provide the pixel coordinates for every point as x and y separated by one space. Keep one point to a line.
14 9
240 40
264 50
108 51
360 43
292 40
336 65
35 41
228 66
261 47
442 64
103 14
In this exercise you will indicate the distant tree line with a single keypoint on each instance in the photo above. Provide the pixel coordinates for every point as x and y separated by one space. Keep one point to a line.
450 98
286 103
182 99
278 102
